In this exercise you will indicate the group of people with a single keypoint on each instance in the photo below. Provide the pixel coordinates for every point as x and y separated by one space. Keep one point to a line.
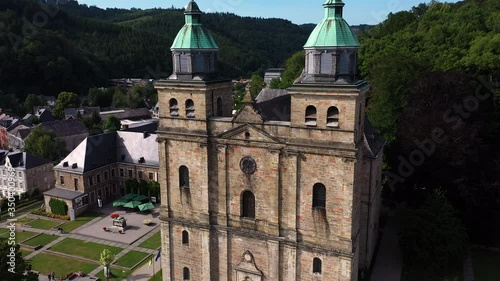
52 275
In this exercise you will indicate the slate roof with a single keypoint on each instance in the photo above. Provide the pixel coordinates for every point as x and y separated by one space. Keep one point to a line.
273 104
64 128
374 142
137 113
25 160
63 193
150 127
104 149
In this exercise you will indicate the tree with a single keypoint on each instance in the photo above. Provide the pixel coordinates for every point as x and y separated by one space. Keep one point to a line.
433 239
111 124
275 83
293 69
63 101
105 259
12 265
256 85
33 100
101 97
132 186
239 94
154 189
44 144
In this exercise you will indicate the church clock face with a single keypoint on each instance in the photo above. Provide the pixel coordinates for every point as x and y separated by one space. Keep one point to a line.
248 165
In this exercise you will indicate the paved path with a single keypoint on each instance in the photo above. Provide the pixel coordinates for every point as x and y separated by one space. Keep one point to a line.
388 263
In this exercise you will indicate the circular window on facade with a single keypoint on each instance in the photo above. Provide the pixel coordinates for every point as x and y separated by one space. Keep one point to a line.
248 165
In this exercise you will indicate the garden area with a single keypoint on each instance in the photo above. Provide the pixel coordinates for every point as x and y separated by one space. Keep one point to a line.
79 221
120 275
131 258
153 242
89 250
46 263
20 235
44 224
42 240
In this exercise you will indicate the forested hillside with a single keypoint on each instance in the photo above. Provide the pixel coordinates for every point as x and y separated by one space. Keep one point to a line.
435 75
79 47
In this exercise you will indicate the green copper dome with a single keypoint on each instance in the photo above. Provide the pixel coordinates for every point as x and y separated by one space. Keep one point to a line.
192 35
333 30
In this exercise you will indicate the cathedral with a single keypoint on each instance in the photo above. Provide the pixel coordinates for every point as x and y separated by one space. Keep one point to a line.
288 187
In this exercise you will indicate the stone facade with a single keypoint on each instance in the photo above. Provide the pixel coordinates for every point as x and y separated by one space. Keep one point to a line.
286 189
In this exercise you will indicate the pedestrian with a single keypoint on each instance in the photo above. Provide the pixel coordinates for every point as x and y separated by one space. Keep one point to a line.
50 276
53 275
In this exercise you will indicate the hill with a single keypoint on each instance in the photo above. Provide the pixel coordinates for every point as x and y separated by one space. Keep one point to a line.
78 47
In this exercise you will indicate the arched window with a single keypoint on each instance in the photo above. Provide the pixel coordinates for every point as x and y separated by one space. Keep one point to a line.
219 106
332 119
174 107
248 205
185 274
319 196
311 116
184 177
185 238
189 109
316 265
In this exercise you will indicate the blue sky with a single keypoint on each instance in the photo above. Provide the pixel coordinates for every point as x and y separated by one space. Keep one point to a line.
297 11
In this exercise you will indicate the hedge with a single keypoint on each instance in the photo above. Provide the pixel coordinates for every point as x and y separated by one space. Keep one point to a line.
58 207
41 212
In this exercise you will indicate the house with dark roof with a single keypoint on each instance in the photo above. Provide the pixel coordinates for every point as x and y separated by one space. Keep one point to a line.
130 114
99 167
44 115
72 131
51 100
18 135
30 172
74 113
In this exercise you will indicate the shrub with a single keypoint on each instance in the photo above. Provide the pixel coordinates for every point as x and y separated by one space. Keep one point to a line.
58 207
41 212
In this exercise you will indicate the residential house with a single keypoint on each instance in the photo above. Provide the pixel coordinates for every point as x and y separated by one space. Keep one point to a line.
72 131
78 113
30 172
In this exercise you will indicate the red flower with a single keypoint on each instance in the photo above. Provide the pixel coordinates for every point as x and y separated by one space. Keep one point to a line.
104 228
114 216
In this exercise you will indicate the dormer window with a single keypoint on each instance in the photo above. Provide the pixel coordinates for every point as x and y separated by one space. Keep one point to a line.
190 109
311 119
174 107
332 117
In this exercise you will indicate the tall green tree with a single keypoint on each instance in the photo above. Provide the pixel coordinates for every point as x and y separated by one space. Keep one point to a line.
13 267
433 239
44 144
105 259
33 100
256 85
111 124
65 100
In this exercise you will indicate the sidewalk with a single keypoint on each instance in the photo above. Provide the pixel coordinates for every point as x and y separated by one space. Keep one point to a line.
388 263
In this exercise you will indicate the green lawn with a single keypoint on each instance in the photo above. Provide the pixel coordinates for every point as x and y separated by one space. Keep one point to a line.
42 239
153 242
20 235
486 265
157 276
83 249
25 252
46 263
24 220
44 224
79 221
131 258
120 275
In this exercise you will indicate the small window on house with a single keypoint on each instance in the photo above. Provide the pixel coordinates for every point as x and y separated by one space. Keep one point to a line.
189 109
174 107
140 175
91 182
98 178
76 184
106 176
247 135
248 205
319 196
317 266
122 173
219 106
184 177
150 176
185 238
332 117
185 274
311 119
129 173
113 173
61 180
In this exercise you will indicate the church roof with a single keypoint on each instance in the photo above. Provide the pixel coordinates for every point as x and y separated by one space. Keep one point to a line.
192 35
333 30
